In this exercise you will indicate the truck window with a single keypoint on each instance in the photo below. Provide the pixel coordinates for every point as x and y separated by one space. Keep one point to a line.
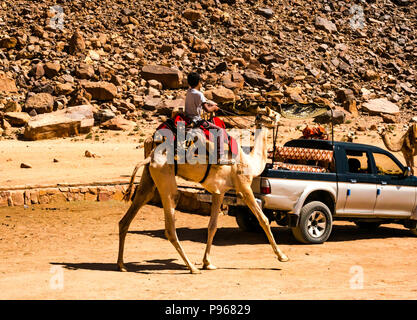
386 166
358 161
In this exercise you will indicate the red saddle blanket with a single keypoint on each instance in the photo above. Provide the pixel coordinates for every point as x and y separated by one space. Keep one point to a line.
172 123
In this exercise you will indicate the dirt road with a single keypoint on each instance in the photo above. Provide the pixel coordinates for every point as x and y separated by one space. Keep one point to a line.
69 252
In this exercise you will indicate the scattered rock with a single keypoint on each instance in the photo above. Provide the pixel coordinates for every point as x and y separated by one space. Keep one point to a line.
191 14
169 77
118 123
266 12
40 102
8 42
89 154
17 119
338 117
7 85
324 24
51 69
381 105
25 165
76 43
222 94
84 71
101 90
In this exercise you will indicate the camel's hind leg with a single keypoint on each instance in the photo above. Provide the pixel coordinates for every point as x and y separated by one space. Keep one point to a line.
250 201
167 188
143 194
217 200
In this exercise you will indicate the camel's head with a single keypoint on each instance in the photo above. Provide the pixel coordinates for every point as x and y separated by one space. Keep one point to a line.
272 116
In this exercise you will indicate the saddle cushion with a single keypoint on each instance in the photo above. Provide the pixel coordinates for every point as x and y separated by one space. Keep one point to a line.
172 123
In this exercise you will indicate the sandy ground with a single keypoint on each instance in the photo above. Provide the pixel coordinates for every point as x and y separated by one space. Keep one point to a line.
69 252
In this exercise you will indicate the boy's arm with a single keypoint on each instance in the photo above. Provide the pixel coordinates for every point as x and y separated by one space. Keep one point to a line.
208 107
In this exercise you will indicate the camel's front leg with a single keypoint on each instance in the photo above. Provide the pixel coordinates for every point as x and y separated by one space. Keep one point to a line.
217 200
250 201
165 182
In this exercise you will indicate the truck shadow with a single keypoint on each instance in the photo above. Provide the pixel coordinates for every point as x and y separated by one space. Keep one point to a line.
233 236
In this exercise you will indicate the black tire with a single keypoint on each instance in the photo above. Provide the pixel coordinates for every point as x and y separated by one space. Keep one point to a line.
367 226
315 223
246 220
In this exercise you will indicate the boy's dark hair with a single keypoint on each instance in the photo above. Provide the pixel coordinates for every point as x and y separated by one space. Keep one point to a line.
193 79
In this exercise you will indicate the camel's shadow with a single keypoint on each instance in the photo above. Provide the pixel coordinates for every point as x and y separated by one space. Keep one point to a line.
156 266
146 267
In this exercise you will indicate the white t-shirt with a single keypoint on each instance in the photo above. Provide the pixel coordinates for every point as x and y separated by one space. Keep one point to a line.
193 104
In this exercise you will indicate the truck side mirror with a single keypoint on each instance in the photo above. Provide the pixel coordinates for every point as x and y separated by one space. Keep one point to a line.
407 172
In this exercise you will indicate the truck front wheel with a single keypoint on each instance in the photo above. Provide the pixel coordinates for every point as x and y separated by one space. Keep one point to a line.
315 223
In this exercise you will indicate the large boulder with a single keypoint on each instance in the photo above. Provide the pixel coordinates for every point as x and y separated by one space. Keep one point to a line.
221 94
62 123
100 90
381 105
169 77
40 102
167 107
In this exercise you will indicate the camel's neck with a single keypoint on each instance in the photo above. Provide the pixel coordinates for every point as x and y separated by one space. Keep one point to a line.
259 153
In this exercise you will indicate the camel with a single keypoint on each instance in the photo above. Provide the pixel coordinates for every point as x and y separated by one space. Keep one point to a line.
158 174
407 145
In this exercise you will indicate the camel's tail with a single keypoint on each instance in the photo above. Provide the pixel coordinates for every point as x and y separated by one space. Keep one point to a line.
390 146
128 193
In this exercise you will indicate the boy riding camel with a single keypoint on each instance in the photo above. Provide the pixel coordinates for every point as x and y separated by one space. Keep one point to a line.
195 103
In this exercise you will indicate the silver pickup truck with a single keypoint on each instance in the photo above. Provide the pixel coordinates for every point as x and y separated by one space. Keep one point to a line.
311 183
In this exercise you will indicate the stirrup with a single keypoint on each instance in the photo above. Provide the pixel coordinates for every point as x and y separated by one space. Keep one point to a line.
226 162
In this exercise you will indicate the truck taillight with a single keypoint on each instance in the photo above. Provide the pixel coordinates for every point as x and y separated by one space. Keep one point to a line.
265 186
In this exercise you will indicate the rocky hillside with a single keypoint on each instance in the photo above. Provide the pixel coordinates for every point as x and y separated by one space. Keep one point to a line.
128 59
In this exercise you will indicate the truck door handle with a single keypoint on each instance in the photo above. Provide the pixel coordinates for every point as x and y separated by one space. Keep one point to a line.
353 180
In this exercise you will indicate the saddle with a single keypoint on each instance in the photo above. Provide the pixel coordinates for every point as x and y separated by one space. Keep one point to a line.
172 125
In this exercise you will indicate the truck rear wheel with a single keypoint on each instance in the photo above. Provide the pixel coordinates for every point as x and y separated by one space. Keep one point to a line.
315 223
246 220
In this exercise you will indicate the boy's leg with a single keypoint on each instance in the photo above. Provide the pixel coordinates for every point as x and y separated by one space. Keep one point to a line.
221 139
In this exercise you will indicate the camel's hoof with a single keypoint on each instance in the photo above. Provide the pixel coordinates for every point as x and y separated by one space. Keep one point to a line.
283 258
121 268
195 271
209 267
